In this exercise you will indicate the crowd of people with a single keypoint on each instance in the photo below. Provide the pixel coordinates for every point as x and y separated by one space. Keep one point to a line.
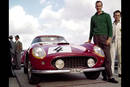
15 49
106 35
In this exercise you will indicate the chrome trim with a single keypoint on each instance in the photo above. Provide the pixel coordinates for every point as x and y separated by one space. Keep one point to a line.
22 65
66 71
94 69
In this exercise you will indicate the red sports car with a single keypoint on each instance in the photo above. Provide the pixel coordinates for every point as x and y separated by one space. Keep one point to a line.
23 54
49 54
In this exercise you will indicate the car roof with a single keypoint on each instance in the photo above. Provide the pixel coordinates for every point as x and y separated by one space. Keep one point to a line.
48 36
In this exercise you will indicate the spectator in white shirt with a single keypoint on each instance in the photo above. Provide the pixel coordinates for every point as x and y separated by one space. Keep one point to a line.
116 41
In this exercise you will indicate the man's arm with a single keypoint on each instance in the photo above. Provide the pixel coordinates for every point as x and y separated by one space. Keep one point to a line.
91 31
108 41
113 35
20 47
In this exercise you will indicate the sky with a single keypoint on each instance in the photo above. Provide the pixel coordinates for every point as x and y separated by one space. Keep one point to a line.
67 18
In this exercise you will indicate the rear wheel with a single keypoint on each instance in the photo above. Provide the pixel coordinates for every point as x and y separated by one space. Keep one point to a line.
33 78
92 75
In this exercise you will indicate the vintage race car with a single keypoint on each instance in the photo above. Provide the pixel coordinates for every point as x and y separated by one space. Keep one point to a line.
50 54
23 54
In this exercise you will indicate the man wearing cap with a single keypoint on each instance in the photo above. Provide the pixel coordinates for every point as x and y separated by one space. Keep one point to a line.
18 50
12 44
10 72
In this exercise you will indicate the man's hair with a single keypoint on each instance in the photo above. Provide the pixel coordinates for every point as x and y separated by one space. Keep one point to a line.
17 36
117 11
99 2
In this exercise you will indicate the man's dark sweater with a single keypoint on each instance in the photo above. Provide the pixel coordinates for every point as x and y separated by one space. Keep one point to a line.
101 25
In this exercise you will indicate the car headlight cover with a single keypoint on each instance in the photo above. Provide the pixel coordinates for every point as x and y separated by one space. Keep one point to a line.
59 64
38 52
91 62
98 51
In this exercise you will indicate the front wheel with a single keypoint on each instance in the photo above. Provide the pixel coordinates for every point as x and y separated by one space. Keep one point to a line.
33 78
92 75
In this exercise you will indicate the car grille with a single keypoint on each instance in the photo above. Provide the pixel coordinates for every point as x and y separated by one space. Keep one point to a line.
74 61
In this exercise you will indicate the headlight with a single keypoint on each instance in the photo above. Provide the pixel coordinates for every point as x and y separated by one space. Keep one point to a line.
98 51
59 64
90 62
38 52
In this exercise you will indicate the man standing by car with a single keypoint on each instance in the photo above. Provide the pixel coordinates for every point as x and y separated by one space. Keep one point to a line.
18 50
12 49
12 44
101 31
10 73
116 41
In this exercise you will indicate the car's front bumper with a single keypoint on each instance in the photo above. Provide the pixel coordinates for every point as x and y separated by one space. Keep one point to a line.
68 70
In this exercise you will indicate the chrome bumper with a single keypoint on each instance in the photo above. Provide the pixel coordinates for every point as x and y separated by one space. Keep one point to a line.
66 71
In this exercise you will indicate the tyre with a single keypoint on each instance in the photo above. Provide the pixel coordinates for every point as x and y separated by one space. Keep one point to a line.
92 75
33 78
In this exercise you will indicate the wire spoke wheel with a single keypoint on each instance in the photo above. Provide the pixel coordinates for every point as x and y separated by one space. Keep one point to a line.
33 78
29 70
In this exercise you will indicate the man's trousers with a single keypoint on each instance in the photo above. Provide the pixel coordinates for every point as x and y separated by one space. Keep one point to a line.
17 60
100 40
116 52
113 56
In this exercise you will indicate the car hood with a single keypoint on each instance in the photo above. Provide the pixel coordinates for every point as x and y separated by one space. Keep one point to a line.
62 48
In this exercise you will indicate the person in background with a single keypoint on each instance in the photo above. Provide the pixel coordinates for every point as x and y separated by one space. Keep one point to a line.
10 73
116 41
18 50
101 31
12 49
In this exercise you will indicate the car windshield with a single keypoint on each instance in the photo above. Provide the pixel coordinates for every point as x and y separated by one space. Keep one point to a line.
49 40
